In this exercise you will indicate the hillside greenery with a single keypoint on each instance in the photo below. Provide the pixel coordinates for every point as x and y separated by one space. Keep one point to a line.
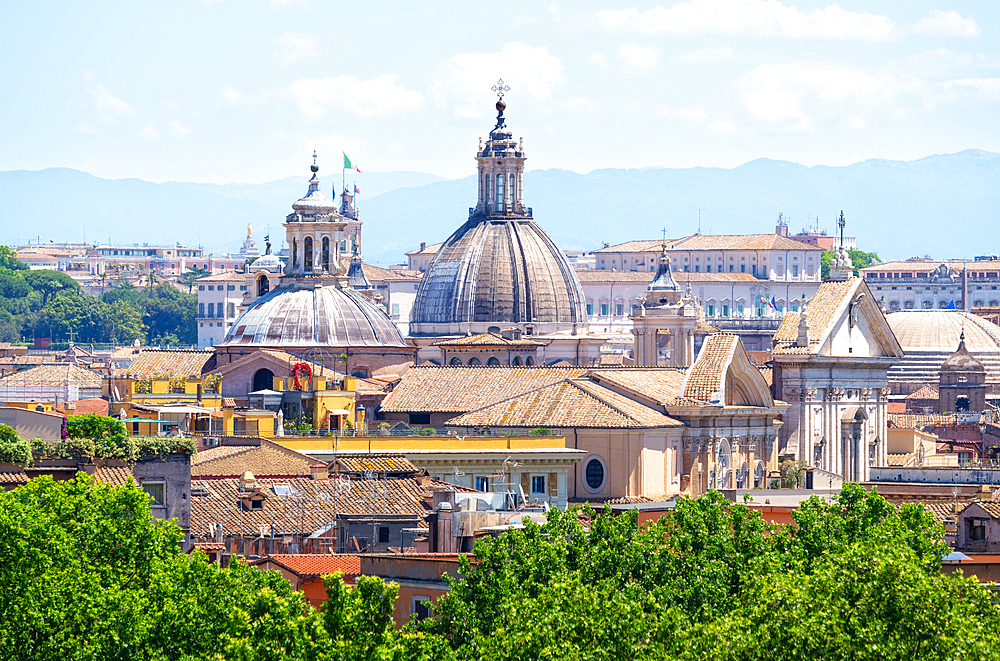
88 573
45 303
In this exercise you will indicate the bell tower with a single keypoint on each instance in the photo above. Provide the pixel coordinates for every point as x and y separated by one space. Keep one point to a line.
501 169
668 312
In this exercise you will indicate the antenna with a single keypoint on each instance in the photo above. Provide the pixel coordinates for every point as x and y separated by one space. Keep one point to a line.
699 221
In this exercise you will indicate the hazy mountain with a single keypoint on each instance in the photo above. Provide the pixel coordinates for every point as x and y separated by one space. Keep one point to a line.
944 205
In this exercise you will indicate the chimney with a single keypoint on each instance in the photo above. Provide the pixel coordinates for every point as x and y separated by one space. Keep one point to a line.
781 230
985 495
802 340
423 244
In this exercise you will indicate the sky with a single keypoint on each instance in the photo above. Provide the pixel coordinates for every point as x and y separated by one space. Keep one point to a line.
227 91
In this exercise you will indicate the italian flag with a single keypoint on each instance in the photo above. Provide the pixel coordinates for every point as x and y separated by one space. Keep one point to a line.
348 165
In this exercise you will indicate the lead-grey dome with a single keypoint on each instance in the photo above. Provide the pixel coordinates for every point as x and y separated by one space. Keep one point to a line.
289 316
499 271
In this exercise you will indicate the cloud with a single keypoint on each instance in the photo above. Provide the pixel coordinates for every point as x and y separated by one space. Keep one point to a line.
461 81
798 95
365 98
637 60
721 127
718 55
759 18
281 4
111 108
149 132
177 129
330 147
87 129
989 87
599 60
297 45
527 19
946 24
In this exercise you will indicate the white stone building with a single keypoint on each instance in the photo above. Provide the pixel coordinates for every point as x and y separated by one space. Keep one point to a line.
219 300
928 284
831 362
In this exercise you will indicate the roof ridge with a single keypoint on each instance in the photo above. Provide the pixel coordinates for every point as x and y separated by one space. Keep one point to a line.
610 405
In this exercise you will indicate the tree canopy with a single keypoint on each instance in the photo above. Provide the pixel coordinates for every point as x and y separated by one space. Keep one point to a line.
859 260
88 573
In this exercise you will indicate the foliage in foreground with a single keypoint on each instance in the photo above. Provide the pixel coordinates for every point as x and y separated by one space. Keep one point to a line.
79 444
89 574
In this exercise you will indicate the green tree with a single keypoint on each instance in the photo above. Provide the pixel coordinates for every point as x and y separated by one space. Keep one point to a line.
13 284
50 283
859 259
193 273
9 260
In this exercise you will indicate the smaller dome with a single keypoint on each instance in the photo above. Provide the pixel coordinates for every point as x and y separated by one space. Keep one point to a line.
315 200
269 263
962 360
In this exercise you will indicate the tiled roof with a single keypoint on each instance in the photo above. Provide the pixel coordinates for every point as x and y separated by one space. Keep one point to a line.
229 276
13 477
374 273
427 250
923 265
820 313
379 463
768 374
992 508
55 374
926 392
267 460
85 407
308 512
461 389
612 359
903 459
569 403
114 475
715 242
664 385
155 362
917 420
313 565
486 340
706 375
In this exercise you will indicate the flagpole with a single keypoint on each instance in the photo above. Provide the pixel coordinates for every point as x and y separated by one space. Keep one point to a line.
343 171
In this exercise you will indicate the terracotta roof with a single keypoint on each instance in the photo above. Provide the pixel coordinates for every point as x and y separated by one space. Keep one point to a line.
155 362
904 459
267 460
13 477
427 250
820 312
114 475
768 374
314 565
308 512
924 265
993 509
54 374
715 242
486 340
706 375
569 403
379 463
442 389
664 385
374 273
926 392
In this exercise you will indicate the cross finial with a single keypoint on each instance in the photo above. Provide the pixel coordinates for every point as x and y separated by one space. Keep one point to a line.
840 223
314 157
500 88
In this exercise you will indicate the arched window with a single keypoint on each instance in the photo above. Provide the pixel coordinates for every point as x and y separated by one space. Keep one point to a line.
493 361
263 285
500 192
513 191
455 361
759 473
361 372
326 254
474 361
263 379
295 253
307 249
493 329
486 191
723 466
517 361
529 361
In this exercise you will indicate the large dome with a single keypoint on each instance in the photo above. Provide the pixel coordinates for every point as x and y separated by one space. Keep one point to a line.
929 337
325 316
496 271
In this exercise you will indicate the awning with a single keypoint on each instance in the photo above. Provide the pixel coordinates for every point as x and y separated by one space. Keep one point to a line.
182 410
151 421
339 412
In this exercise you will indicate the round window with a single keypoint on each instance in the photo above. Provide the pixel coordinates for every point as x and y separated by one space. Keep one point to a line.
595 474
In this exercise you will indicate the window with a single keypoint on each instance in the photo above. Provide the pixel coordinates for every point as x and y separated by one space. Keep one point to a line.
538 484
326 254
711 310
594 474
795 270
383 535
231 288
307 252
482 483
500 191
211 310
211 288
157 493
201 309
395 309
619 309
454 361
590 309
604 309
257 504
725 310
232 310
739 309
475 361
421 608
420 418
243 287
743 268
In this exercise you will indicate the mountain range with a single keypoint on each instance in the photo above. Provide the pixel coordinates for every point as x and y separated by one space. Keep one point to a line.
946 205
